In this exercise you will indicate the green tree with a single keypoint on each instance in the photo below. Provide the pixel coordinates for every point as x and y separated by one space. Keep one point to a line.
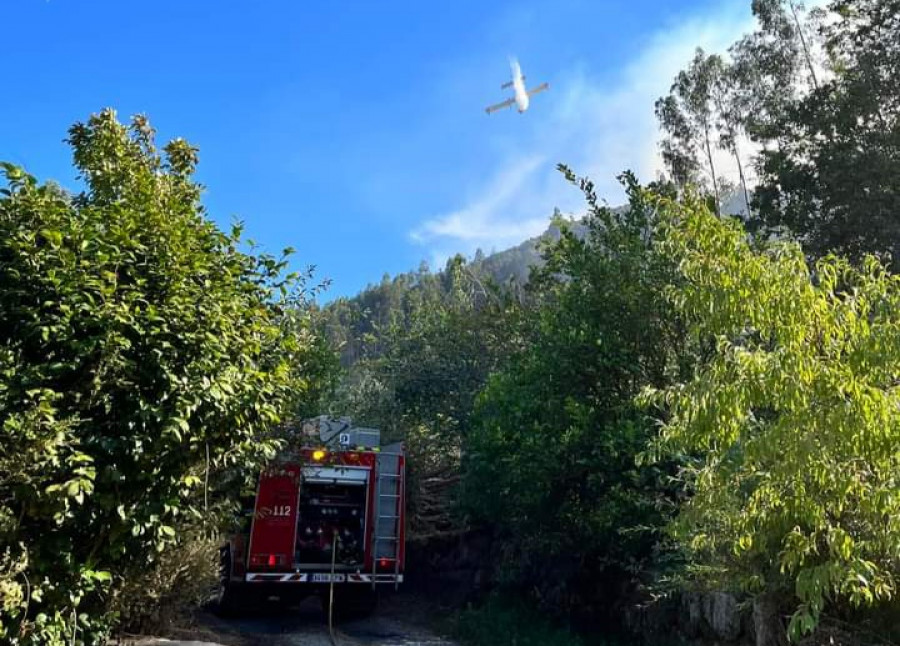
833 176
792 419
773 67
140 349
817 93
550 461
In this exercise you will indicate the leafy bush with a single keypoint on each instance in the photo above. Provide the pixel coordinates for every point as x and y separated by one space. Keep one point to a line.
141 353
550 462
793 417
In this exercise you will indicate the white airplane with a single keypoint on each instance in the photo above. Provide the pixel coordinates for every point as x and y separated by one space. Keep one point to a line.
522 97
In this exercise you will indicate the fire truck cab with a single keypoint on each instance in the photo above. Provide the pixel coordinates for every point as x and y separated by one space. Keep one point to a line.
330 513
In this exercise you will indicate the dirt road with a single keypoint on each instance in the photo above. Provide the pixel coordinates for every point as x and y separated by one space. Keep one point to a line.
399 621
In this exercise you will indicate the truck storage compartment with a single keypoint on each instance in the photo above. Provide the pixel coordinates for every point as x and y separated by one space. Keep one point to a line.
274 523
329 506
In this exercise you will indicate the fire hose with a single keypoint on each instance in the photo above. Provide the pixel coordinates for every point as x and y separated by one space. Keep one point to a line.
331 590
331 634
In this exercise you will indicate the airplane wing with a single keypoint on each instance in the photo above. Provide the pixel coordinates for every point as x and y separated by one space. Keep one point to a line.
539 88
509 84
500 106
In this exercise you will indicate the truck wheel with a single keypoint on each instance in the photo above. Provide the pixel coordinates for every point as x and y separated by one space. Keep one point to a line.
351 603
228 600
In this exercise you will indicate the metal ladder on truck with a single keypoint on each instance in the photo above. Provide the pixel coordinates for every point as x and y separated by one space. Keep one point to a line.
390 493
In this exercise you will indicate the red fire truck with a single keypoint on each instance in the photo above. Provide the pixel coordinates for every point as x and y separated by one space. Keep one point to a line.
329 515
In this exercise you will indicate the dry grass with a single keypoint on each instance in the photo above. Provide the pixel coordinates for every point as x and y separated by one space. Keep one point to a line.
164 598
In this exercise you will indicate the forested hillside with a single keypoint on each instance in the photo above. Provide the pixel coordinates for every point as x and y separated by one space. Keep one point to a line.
352 322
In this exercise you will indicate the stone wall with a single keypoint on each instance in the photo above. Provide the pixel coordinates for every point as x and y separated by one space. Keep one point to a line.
709 617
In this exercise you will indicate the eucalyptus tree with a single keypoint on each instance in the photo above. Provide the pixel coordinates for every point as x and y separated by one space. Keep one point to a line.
688 117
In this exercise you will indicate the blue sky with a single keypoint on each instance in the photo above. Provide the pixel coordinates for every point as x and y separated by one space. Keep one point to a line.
355 131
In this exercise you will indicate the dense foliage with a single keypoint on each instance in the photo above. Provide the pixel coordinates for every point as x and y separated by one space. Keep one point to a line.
551 463
141 352
830 167
793 419
358 326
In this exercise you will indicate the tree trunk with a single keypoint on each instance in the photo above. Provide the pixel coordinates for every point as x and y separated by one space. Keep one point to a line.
740 166
712 170
809 63
768 628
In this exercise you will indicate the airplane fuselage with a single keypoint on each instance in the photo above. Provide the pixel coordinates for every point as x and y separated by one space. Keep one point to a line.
518 82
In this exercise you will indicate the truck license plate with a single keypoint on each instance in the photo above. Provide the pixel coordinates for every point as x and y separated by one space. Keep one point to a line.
319 577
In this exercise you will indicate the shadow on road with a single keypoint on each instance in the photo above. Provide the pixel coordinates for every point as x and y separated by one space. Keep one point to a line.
396 622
